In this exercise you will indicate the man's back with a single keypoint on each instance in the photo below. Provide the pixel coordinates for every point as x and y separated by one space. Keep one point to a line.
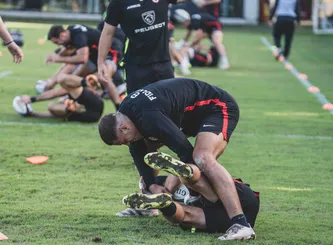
172 97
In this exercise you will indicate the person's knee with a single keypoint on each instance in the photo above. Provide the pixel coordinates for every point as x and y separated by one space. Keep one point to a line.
62 80
203 159
217 37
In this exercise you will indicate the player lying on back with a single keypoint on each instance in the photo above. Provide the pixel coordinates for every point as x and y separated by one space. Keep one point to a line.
204 25
208 214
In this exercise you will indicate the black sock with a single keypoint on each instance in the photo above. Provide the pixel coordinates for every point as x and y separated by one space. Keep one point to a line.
240 219
117 106
170 210
84 82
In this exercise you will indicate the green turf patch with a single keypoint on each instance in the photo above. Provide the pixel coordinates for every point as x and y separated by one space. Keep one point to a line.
282 147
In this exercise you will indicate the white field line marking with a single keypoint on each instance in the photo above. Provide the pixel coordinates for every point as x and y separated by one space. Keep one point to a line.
5 73
75 125
305 82
287 188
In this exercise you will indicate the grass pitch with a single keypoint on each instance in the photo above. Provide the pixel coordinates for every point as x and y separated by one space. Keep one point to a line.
282 146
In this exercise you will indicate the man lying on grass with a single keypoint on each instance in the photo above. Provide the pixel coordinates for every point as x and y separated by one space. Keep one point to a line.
209 215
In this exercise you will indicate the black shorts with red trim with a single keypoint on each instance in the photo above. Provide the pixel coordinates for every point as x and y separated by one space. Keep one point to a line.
199 59
217 219
93 104
214 115
211 26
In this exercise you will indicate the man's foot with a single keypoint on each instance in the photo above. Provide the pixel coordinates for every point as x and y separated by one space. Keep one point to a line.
238 232
224 66
162 161
130 212
142 201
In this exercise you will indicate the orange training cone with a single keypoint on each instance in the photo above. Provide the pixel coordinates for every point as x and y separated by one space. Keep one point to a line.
3 237
41 41
37 159
328 107
313 89
288 66
303 76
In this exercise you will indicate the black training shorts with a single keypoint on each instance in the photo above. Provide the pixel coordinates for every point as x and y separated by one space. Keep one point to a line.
217 219
139 76
93 104
212 115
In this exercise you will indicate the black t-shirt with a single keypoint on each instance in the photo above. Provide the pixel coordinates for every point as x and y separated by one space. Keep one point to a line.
160 111
85 36
213 9
206 22
145 23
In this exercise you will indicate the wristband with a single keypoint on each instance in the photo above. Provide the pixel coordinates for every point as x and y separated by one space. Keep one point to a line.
8 43
33 99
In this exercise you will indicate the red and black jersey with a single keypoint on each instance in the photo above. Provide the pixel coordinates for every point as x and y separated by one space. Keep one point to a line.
200 59
213 9
162 111
84 36
206 22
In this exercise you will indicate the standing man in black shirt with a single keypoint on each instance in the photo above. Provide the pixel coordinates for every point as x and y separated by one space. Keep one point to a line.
167 112
145 24
84 40
147 59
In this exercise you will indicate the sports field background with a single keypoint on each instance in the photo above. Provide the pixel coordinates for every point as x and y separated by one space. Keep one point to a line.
282 146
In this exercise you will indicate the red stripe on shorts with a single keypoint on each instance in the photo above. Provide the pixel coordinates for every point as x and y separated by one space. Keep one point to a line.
217 103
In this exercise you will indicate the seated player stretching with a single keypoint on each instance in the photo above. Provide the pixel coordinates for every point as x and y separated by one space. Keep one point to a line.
77 90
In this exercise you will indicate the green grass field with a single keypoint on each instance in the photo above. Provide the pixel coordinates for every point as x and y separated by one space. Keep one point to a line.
282 146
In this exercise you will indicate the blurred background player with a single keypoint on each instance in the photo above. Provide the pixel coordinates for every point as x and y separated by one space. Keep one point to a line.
287 13
83 104
12 47
85 41
205 25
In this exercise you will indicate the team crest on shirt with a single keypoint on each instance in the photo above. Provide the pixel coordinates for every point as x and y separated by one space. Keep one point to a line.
153 138
155 1
149 17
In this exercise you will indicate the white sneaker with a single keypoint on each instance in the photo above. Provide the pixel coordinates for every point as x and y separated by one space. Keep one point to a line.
238 232
184 69
130 212
224 66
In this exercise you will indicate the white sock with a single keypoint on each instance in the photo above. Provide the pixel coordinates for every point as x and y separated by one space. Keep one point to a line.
224 60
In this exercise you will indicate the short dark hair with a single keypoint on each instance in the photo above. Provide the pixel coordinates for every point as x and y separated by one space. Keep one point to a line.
55 31
107 128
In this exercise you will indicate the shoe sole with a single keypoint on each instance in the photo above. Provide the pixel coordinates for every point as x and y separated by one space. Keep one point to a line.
252 237
142 201
162 161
